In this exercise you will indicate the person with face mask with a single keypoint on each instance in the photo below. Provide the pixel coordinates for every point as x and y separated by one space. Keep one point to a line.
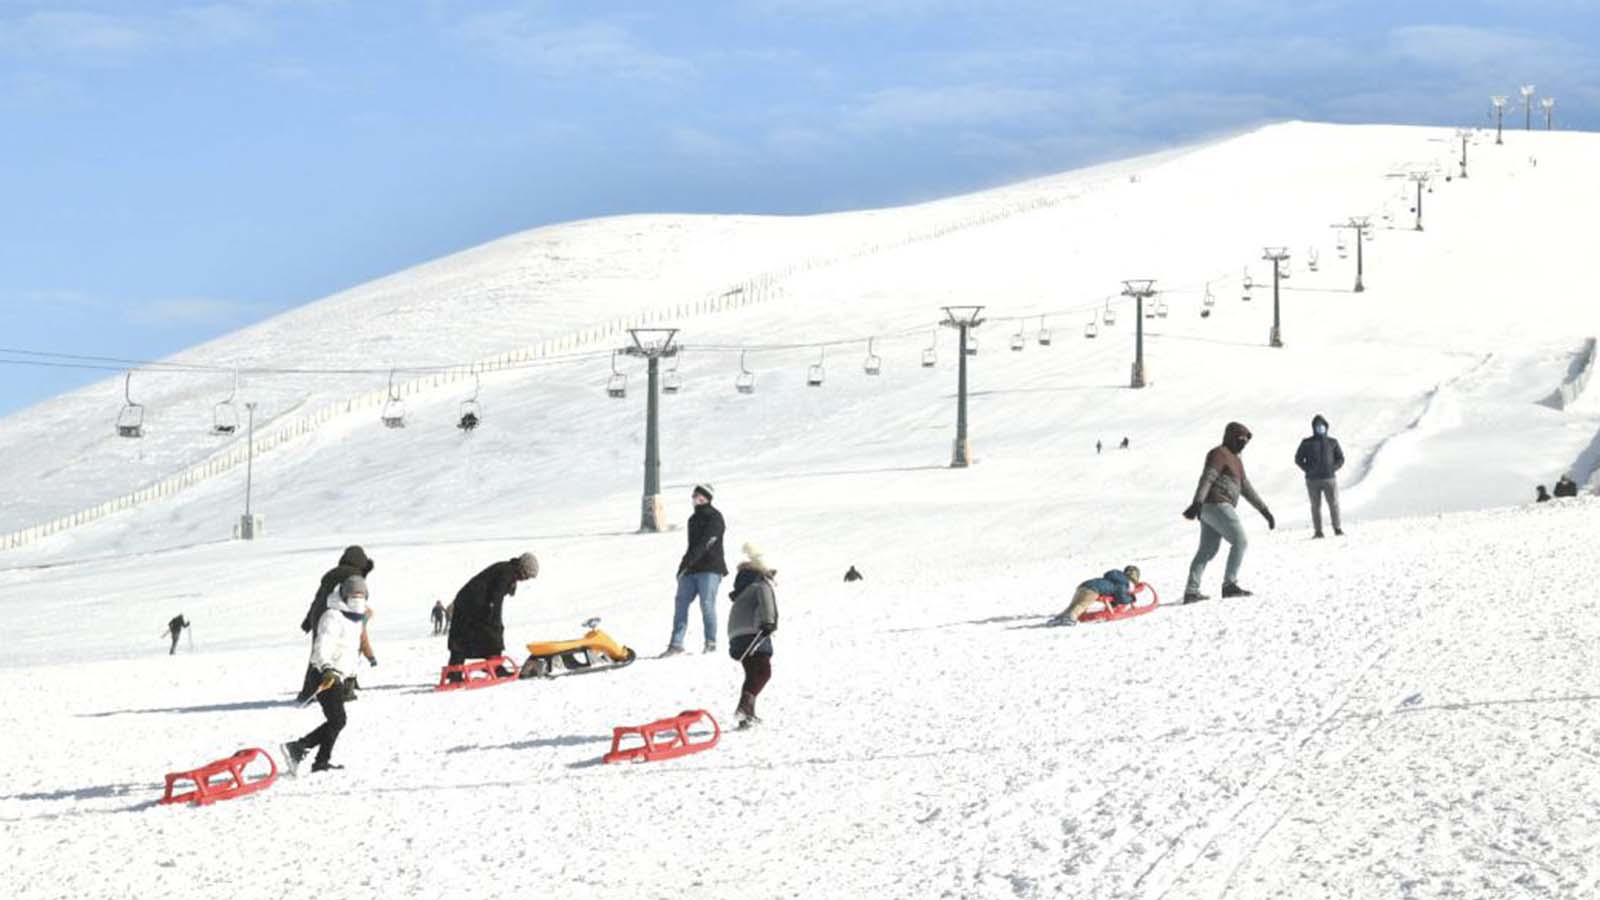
1222 483
1321 458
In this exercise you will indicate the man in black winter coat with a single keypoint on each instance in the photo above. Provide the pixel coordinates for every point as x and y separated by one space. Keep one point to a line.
477 630
353 561
699 572
1321 458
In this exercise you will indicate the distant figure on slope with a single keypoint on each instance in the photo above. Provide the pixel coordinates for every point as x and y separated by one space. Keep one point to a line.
1541 495
699 572
334 648
1566 487
175 628
1097 448
1216 498
751 622
1118 584
477 630
353 561
438 617
1321 458
853 575
1124 444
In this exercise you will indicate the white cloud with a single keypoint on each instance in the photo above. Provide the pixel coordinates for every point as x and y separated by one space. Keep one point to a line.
586 50
968 104
85 35
1461 46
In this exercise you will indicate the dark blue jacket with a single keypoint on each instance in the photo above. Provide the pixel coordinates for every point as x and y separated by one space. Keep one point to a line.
1319 457
1113 584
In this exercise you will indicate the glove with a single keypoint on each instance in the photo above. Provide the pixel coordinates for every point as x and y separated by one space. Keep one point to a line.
1193 512
767 629
372 661
1271 522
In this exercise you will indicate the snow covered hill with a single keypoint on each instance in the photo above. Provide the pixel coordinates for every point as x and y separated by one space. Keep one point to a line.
1405 712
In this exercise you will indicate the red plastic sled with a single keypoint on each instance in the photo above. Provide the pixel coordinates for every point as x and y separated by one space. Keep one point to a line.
663 739
483 673
231 770
1108 613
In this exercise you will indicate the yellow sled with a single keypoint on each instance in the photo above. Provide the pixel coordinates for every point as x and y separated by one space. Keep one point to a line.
596 651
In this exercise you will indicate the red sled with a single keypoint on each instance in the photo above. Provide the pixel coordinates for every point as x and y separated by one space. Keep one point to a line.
233 783
663 739
480 674
1106 612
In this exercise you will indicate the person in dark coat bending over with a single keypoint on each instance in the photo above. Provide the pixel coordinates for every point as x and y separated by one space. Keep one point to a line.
700 572
354 561
477 630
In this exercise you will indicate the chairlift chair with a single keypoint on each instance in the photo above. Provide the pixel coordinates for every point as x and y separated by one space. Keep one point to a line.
972 344
130 422
1110 315
1018 341
1285 270
1044 333
930 356
617 384
671 381
814 375
1311 258
1161 307
224 417
1342 247
746 382
1207 303
873 364
471 413
394 409
1248 284
1091 330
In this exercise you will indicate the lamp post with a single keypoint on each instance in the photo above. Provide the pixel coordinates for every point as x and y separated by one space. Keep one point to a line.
652 344
963 319
1527 107
248 523
1139 289
1276 255
1548 104
1499 116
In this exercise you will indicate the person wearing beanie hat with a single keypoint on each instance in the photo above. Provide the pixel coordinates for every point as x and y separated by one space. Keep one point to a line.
700 572
333 655
477 629
1118 584
751 622
1222 483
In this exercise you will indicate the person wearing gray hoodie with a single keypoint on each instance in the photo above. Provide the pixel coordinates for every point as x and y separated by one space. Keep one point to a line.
1321 458
751 622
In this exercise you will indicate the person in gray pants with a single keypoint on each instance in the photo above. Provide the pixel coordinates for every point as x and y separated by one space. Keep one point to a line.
1222 483
1321 458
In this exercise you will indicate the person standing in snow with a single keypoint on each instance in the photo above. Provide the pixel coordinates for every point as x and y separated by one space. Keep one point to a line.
751 622
354 561
1540 495
1216 498
700 572
1566 487
1116 584
334 648
477 629
438 617
176 627
1321 458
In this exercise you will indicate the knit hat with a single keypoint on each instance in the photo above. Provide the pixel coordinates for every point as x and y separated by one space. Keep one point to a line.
528 564
755 559
704 490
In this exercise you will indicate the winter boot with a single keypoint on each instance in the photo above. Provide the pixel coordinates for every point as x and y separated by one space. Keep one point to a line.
1062 619
293 755
711 647
747 711
1233 590
1339 532
671 651
1317 535
1195 597
323 765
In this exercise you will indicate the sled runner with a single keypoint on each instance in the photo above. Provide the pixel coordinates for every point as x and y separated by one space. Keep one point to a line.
483 673
1106 612
663 739
596 651
233 783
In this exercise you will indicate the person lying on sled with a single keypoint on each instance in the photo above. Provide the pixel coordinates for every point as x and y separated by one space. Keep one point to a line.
1114 584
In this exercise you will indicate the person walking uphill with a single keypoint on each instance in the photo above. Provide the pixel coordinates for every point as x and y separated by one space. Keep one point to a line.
1216 499
354 561
751 622
477 630
334 650
175 628
700 572
1321 458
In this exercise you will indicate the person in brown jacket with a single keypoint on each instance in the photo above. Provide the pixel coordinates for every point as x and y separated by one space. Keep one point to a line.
1215 504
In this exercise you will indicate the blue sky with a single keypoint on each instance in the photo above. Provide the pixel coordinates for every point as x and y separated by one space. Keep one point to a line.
172 171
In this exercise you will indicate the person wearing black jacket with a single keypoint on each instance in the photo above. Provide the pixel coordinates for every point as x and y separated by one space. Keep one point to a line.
354 561
477 630
1566 487
1321 458
699 572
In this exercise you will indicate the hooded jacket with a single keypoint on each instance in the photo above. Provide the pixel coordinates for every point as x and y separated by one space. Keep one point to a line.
354 561
477 630
338 640
1319 456
1223 481
755 604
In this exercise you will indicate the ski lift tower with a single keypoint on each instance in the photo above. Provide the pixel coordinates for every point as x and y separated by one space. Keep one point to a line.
963 319
1140 289
1277 255
1421 179
1548 104
249 527
1527 107
1464 134
652 344
1499 103
1360 224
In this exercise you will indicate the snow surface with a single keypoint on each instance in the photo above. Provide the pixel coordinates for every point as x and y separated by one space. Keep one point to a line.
1409 711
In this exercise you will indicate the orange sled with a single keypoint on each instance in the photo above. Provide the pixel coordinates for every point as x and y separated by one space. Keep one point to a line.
1106 612
663 739
480 674
233 783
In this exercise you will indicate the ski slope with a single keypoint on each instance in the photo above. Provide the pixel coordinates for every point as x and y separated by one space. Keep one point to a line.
1409 711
